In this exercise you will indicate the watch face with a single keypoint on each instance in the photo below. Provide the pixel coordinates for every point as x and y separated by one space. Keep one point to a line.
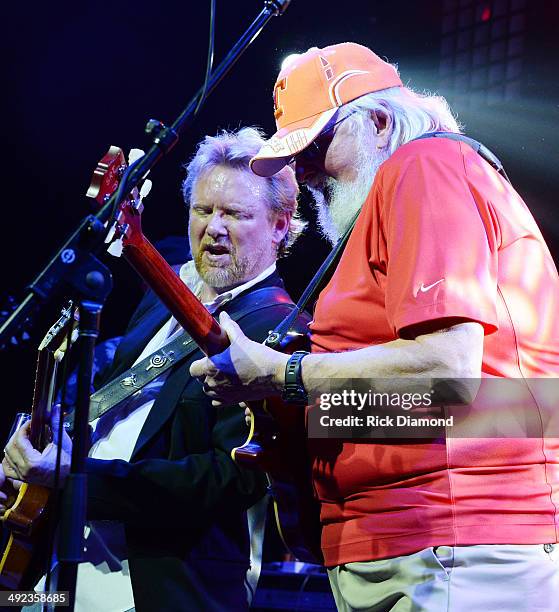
295 395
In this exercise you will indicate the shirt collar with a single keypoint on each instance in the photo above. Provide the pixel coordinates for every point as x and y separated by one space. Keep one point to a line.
222 298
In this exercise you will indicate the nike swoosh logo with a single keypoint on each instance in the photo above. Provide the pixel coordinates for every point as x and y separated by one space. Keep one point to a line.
423 288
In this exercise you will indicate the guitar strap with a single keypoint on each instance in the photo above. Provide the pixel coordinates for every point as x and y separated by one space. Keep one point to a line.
477 146
171 354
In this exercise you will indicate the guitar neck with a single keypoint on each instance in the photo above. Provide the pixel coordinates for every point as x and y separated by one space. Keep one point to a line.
169 288
42 398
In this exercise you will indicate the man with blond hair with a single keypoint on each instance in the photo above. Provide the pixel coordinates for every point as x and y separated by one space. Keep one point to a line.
167 505
431 285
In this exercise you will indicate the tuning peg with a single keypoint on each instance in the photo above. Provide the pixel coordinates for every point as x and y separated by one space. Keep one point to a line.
145 188
134 155
115 248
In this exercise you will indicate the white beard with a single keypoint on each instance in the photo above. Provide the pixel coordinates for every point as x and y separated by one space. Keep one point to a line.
337 202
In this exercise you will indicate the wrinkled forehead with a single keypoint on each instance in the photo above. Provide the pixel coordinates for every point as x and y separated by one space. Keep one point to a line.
223 184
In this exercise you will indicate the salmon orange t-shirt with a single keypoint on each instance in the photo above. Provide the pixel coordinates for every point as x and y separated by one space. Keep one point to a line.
440 236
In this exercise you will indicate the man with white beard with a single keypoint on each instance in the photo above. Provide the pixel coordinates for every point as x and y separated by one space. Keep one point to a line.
431 285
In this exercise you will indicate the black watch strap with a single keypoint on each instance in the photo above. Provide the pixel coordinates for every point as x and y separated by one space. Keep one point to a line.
293 389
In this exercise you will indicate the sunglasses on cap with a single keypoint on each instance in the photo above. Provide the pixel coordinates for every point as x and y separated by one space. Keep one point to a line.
316 150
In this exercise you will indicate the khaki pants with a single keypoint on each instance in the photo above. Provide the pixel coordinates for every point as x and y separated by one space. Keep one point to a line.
483 578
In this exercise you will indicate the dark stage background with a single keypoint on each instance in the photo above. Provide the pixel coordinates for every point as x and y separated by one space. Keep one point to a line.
83 75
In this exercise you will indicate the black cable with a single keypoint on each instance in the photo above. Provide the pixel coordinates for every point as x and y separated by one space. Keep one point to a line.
210 60
119 196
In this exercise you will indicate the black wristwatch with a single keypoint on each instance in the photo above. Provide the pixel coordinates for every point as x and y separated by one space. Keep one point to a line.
293 389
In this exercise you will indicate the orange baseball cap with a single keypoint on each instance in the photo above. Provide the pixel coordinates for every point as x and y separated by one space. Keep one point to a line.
309 91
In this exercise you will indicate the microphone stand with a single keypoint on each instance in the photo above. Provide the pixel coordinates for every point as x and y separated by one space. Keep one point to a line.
89 235
76 270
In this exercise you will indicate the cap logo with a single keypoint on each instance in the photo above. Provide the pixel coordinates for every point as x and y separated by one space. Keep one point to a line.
278 109
276 144
296 141
328 72
335 85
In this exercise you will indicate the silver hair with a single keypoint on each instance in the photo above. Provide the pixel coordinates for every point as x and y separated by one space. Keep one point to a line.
413 114
235 149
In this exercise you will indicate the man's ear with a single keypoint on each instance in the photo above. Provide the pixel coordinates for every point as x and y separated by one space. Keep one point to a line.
383 126
280 226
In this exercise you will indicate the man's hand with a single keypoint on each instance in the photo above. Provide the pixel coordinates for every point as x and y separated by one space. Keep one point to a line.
23 462
8 491
245 371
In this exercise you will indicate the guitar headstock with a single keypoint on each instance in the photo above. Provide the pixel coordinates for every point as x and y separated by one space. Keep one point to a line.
127 228
58 333
51 350
106 177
